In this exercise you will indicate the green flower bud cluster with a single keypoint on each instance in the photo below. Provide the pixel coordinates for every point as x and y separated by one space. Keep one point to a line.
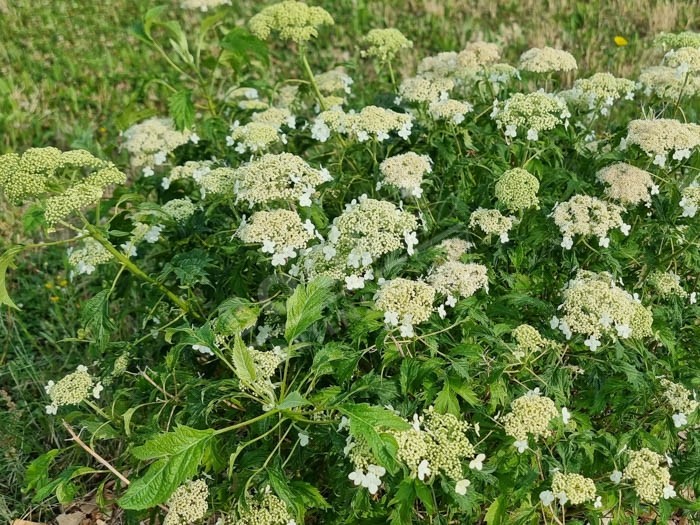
86 258
588 216
426 90
677 40
492 222
532 112
517 189
661 136
529 340
150 141
450 110
686 58
573 488
531 415
679 398
334 81
72 389
667 284
265 509
281 233
454 248
293 21
666 83
188 503
179 210
599 91
405 301
384 44
649 478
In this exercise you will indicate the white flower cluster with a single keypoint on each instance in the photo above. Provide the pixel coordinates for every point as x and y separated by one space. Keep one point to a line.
203 5
492 222
684 59
405 303
280 177
365 231
599 92
628 184
454 279
529 341
532 112
188 503
659 137
149 142
450 110
334 81
87 258
690 200
651 481
478 54
255 136
454 248
679 399
588 216
72 389
569 488
372 122
595 306
405 172
425 90
546 60
517 189
530 416
281 233
141 232
667 284
669 83
191 169
437 443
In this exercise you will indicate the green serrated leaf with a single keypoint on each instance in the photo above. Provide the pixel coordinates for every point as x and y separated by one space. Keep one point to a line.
242 361
7 261
293 400
240 46
37 473
236 315
95 316
179 454
305 306
181 109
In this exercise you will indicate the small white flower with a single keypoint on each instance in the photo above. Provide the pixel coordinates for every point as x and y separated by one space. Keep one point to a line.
391 318
451 301
478 462
371 482
148 172
547 497
604 242
511 131
567 243
153 234
202 349
660 160
521 445
461 486
441 311
532 134
305 200
354 282
679 419
598 502
159 158
554 322
616 476
592 343
344 423
303 439
625 228
693 298
681 154
668 460
406 330
423 470
411 240
565 415
268 246
669 492
377 470
357 477
51 409
623 330
82 368
605 320
654 190
563 498
504 237
194 138
49 386
97 390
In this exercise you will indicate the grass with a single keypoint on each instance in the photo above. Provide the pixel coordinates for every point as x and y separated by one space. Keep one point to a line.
71 75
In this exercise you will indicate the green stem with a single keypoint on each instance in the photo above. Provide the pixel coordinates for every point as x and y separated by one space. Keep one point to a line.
246 423
135 270
312 81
